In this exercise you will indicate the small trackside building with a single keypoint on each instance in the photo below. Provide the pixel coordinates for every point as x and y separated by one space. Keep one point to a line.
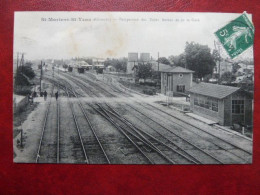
176 79
223 104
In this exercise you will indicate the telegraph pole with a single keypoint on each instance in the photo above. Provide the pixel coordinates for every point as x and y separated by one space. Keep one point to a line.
17 61
22 61
158 62
219 58
41 78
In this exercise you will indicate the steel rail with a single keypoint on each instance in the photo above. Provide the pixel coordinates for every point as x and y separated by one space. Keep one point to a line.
141 138
75 94
78 130
119 128
187 141
107 116
58 132
218 145
80 79
246 151
154 138
43 130
61 85
80 82
93 130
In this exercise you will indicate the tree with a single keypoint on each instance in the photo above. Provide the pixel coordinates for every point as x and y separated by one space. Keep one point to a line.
164 60
179 60
119 64
23 74
27 71
216 56
199 59
227 77
28 64
144 70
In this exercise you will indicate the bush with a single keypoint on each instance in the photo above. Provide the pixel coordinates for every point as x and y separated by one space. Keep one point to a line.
20 80
27 70
22 90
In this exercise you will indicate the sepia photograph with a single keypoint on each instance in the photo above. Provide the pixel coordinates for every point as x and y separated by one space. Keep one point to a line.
133 88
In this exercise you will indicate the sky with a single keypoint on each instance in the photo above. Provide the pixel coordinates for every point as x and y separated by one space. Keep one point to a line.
63 35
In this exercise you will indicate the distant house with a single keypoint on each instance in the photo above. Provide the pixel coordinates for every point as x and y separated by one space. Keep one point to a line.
247 69
223 104
176 79
83 64
98 63
224 66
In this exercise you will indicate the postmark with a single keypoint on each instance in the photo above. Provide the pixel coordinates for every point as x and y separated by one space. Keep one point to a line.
237 36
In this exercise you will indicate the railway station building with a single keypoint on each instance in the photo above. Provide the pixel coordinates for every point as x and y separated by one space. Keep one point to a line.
176 79
223 104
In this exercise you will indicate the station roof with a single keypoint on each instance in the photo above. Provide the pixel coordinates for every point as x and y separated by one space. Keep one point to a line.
213 90
177 69
161 66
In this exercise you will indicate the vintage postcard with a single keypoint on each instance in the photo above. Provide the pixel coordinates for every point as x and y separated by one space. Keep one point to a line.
133 88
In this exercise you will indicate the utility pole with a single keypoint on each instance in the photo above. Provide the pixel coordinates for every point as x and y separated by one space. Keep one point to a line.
22 61
41 78
17 61
158 62
219 58
219 67
52 70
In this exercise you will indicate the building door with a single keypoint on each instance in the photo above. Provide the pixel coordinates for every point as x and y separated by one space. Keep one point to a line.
238 112
169 86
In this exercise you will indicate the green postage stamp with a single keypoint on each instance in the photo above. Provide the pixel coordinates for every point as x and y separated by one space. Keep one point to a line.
237 36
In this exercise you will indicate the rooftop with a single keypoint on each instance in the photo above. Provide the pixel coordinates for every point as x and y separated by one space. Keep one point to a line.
177 69
213 90
161 66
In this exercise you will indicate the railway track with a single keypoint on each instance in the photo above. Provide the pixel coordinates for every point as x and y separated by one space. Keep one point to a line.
93 86
58 131
185 143
77 128
215 160
133 133
93 139
47 147
82 109
148 160
151 142
134 139
185 125
154 143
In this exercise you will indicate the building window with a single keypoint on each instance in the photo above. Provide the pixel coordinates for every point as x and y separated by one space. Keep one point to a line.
196 102
206 102
165 76
180 75
214 105
181 88
238 106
